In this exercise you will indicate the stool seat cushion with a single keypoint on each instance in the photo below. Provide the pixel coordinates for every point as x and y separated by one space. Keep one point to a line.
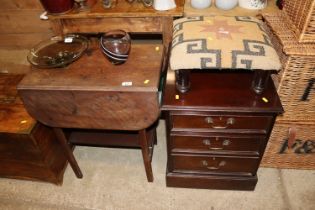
222 42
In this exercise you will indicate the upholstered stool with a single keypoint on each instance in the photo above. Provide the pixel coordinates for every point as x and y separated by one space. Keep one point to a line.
222 42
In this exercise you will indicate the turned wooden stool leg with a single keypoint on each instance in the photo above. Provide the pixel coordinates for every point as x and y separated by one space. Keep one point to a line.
182 80
146 154
260 81
68 151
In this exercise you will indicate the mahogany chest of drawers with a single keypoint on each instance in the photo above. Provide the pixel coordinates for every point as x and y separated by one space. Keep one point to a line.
218 131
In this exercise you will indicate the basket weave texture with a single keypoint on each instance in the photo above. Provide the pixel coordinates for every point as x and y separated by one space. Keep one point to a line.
301 154
302 15
296 81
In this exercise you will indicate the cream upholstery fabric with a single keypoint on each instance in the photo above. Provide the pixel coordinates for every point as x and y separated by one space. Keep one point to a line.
222 42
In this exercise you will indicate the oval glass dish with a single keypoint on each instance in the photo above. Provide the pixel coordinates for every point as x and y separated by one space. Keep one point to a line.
57 51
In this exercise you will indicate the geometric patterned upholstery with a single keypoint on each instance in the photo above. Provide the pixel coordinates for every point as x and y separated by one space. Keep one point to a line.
222 42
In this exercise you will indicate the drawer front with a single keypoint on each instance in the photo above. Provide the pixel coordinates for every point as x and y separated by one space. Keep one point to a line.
248 144
214 164
221 122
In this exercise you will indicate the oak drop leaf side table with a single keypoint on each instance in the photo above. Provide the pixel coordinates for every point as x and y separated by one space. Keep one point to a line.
89 94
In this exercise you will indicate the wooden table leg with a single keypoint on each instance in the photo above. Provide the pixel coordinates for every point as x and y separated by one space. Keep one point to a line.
146 154
69 154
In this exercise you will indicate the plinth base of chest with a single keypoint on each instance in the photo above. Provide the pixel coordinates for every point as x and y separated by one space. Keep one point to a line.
211 181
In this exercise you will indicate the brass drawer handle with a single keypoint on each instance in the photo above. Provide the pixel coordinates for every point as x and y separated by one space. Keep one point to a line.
226 142
229 121
220 164
207 142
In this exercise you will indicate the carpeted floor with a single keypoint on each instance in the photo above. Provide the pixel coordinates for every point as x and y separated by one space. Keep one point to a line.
115 179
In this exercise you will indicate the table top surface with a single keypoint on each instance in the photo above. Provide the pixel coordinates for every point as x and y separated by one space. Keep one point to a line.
223 92
95 73
122 9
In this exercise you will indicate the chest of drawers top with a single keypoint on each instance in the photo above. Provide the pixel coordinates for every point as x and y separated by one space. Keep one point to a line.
224 92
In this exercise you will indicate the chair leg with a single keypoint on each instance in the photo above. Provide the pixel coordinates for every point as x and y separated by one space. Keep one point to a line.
146 154
68 151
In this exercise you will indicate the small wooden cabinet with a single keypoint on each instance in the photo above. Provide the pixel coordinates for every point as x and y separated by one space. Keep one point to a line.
28 149
217 132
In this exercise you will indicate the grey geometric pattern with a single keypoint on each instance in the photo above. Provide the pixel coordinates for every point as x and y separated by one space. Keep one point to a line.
249 19
213 59
179 25
252 48
178 39
199 46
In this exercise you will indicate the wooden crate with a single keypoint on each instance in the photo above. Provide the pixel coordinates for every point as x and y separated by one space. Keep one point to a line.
28 149
291 145
296 81
302 16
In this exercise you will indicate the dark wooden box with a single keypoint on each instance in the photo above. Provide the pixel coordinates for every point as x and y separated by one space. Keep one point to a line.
28 149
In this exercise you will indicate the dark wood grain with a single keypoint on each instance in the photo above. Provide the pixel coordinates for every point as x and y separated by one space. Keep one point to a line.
101 25
67 150
108 137
144 139
147 152
28 149
211 181
204 143
13 116
191 163
196 121
89 92
93 110
96 73
129 17
123 9
220 91
218 130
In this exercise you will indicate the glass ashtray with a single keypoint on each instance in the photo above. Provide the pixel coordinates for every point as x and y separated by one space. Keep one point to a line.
57 51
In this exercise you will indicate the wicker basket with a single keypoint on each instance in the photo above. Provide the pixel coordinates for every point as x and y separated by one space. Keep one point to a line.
284 153
296 81
302 15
